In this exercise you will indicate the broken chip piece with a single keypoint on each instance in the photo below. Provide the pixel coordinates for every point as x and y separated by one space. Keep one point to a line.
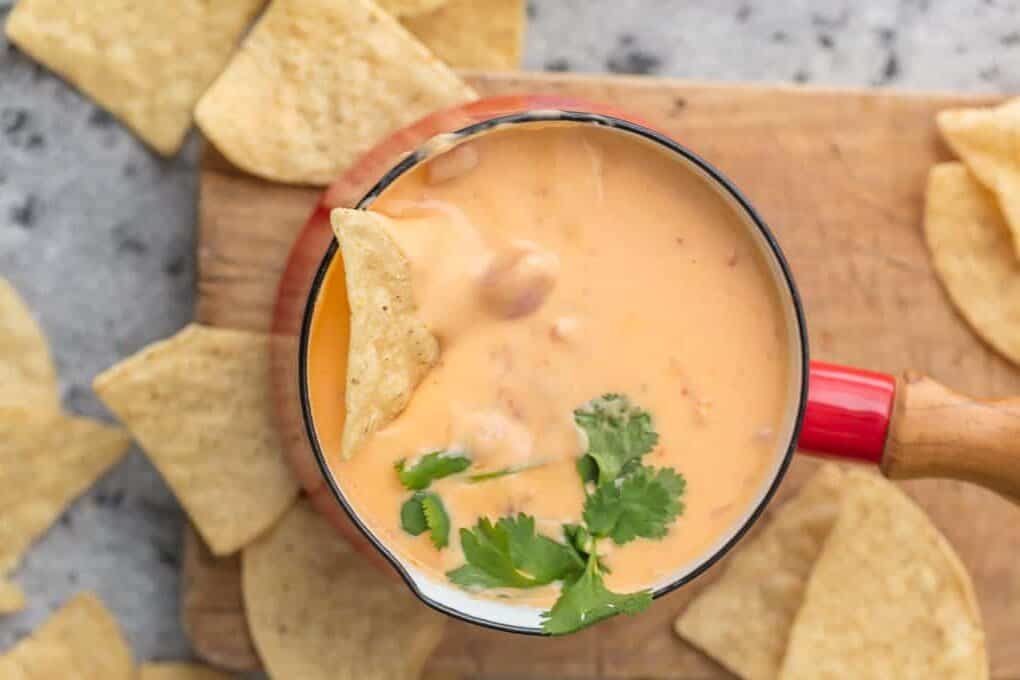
199 404
27 375
743 620
390 347
887 598
46 461
319 611
145 62
988 141
316 84
82 640
971 251
471 34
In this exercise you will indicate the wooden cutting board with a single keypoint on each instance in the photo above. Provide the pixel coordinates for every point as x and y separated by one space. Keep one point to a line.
839 175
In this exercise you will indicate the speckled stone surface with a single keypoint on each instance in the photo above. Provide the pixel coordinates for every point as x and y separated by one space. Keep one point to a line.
98 233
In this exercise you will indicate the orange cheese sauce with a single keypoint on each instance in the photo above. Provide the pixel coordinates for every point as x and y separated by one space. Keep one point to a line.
556 263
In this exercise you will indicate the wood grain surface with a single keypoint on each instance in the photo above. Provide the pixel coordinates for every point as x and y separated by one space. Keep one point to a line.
839 176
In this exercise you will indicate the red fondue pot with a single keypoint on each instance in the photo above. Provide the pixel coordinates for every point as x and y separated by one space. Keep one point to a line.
912 427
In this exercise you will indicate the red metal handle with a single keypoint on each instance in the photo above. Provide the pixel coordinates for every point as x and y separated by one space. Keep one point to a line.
848 412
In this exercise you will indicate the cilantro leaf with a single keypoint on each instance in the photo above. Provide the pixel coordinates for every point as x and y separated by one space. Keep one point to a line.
431 467
586 600
509 554
425 511
412 516
618 433
640 505
437 519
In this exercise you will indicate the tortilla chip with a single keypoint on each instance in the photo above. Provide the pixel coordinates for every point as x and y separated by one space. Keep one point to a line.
46 461
199 404
743 620
477 34
27 374
407 8
970 248
318 610
988 141
316 84
82 640
12 598
179 671
390 347
888 598
145 62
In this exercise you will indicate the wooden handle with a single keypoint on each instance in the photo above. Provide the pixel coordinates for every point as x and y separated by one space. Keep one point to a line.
936 432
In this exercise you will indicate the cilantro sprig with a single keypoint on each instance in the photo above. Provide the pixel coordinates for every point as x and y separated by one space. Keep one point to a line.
624 500
429 468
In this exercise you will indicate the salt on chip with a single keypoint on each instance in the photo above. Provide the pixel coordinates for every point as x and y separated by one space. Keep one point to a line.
409 8
179 671
46 461
200 406
316 84
474 34
743 620
970 248
319 611
27 374
988 141
12 598
146 62
82 640
888 597
390 348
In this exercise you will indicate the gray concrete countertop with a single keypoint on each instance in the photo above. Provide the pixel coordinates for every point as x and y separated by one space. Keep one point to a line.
98 233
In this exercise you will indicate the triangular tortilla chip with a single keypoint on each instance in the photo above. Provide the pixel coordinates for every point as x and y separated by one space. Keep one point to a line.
971 252
316 84
407 8
145 62
179 671
12 598
988 141
27 375
82 640
888 598
46 461
200 405
319 611
391 349
743 620
473 34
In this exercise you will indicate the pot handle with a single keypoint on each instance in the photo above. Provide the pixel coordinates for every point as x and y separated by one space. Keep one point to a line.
913 427
936 432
